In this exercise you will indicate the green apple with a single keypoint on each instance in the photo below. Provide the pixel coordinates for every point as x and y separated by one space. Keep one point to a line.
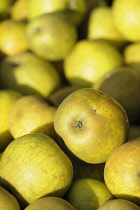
7 200
121 204
123 84
89 60
91 124
29 74
34 114
34 166
122 171
88 194
13 37
49 203
75 8
126 18
51 36
7 99
61 93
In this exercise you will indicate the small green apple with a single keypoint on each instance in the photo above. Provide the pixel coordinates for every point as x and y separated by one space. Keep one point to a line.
123 84
91 124
51 36
88 194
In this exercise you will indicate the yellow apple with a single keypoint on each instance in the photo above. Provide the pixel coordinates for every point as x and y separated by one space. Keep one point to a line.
29 74
34 114
7 200
51 36
89 60
18 10
34 166
7 99
126 18
91 124
121 204
50 203
122 171
75 8
13 37
101 26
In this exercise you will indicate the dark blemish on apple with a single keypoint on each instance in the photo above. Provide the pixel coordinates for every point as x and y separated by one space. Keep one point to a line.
139 174
94 110
79 124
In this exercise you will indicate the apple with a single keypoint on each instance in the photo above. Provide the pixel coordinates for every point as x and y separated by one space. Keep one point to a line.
18 10
122 171
89 60
7 99
101 26
29 74
12 37
7 200
91 124
51 36
48 203
34 114
88 194
75 8
122 204
126 18
34 166
4 8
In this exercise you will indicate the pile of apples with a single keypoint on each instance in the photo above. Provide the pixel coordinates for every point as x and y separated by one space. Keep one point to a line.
70 104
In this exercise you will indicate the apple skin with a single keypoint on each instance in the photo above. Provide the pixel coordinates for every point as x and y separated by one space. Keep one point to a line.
92 124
